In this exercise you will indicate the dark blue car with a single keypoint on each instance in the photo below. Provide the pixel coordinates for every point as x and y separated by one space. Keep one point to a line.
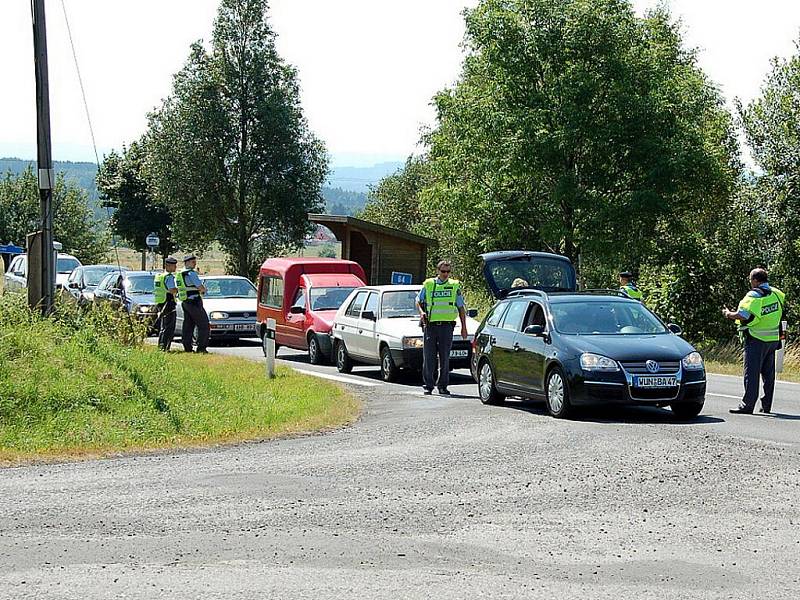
575 349
132 291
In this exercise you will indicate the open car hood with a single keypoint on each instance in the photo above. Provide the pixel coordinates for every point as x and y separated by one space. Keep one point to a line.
536 270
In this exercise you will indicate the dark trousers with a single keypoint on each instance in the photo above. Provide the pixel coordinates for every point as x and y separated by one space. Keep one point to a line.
437 342
759 362
166 319
194 315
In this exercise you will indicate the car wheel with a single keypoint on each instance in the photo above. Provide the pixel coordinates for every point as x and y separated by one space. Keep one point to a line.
389 370
687 410
314 353
343 362
486 385
558 402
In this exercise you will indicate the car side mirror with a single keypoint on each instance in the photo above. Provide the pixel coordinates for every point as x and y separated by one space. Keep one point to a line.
535 330
74 285
368 315
297 310
472 313
675 328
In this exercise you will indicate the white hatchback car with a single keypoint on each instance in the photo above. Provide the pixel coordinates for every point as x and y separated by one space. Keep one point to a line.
379 325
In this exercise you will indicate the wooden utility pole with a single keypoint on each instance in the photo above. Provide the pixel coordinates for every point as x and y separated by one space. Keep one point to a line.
46 274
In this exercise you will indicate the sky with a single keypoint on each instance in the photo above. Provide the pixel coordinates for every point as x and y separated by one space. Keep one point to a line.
368 68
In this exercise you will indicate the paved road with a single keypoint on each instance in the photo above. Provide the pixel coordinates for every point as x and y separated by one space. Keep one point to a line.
428 497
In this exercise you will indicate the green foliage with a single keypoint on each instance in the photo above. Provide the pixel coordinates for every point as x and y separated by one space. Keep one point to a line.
68 385
394 202
327 251
73 224
231 154
124 185
339 201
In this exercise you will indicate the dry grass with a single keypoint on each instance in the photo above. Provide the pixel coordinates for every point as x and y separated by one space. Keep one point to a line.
727 359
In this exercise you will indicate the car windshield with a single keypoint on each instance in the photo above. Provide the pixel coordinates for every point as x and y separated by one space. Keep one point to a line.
93 275
549 274
329 298
230 287
605 318
66 265
140 284
399 304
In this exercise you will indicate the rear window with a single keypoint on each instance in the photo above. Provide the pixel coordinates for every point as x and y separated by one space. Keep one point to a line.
271 291
545 273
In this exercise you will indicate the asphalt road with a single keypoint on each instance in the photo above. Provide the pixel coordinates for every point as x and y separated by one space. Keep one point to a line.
428 497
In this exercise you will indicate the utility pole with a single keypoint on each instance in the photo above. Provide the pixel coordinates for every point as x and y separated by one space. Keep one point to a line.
44 158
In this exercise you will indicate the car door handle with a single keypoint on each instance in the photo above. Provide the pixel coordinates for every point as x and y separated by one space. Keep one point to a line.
492 340
517 347
360 331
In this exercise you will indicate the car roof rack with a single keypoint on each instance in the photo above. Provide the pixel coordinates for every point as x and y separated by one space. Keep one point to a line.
603 292
526 292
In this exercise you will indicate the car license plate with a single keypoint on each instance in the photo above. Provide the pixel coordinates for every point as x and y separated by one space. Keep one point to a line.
245 327
655 382
459 353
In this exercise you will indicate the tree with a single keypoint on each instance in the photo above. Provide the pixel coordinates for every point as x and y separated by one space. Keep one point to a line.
73 223
232 155
575 127
394 202
123 184
771 124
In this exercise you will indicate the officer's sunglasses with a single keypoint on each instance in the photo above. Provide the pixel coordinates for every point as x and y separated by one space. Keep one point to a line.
445 271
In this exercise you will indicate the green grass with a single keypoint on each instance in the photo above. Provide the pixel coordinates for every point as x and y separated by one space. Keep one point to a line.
727 359
68 392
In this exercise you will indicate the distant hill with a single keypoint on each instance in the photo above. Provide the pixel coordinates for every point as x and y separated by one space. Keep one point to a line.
81 173
345 194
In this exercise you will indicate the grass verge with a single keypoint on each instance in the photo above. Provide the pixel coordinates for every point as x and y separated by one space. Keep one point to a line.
68 393
727 360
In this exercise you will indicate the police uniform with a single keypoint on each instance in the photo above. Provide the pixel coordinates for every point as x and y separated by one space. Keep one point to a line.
194 315
630 289
760 313
166 303
441 301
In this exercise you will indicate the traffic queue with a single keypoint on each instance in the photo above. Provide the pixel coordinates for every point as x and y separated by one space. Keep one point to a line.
543 338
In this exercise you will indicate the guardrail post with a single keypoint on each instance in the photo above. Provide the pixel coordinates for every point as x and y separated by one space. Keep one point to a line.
269 346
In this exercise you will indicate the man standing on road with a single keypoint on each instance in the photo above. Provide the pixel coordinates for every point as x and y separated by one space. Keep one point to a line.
440 303
759 318
166 291
628 287
190 291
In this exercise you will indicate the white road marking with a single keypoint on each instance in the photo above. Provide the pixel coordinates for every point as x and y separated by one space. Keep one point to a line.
739 377
723 396
339 378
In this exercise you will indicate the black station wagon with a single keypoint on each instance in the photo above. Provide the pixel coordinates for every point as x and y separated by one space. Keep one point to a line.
576 349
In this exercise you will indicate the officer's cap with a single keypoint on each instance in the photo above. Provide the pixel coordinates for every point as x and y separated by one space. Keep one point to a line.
171 261
626 274
189 257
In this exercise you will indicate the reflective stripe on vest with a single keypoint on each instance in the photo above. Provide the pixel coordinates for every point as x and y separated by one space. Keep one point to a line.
440 300
185 292
767 312
631 291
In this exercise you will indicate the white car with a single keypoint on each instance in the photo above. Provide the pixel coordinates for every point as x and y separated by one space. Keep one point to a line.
230 302
379 325
17 275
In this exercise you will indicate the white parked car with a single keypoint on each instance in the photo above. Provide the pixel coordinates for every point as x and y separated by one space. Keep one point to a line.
379 325
231 303
17 276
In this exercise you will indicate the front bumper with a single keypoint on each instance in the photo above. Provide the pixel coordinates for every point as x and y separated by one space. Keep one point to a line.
619 389
412 358
233 328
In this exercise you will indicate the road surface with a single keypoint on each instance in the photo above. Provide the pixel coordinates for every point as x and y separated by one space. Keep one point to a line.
428 497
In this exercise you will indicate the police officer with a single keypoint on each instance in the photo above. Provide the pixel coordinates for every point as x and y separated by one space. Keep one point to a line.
628 287
759 318
440 303
166 292
190 291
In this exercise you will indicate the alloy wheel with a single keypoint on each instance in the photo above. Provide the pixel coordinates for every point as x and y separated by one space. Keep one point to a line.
555 393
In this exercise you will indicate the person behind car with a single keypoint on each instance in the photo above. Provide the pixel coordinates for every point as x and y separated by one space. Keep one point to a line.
759 317
628 287
190 293
519 282
439 303
166 291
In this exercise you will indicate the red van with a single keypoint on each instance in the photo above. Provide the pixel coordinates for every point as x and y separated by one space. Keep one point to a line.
303 295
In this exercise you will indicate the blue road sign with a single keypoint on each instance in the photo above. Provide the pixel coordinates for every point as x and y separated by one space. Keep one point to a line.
401 278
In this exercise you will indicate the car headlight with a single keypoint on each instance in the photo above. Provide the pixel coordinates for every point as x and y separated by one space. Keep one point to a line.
217 315
597 362
412 342
693 361
146 309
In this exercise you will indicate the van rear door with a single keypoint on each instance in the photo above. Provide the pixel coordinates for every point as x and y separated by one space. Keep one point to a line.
509 269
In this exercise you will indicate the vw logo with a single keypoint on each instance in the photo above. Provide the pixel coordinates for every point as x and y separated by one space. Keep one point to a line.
652 366
246 315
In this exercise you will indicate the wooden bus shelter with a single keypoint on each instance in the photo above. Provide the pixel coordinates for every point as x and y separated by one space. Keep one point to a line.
379 250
